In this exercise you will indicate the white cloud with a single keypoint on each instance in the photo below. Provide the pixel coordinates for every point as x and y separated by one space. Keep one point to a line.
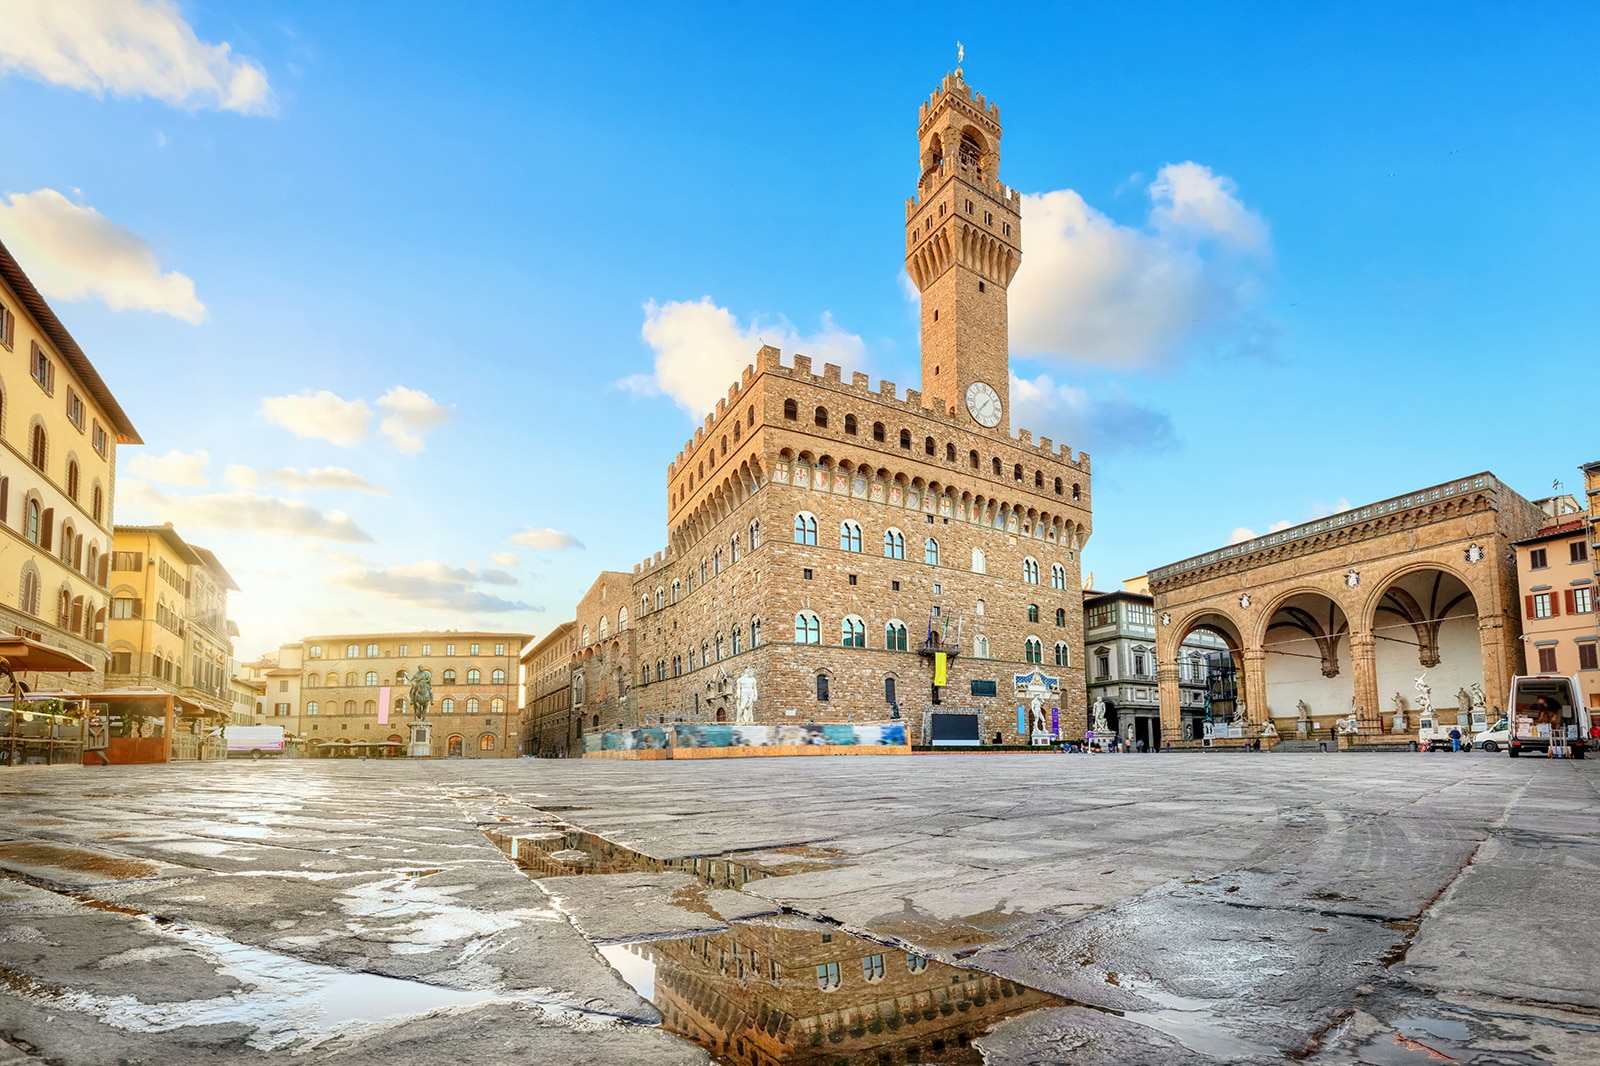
433 585
1069 415
128 48
701 349
1094 290
243 511
1323 510
174 468
320 479
409 414
545 539
320 415
1241 534
240 477
73 252
505 558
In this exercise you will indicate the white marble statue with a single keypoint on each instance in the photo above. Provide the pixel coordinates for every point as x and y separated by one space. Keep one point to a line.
1424 696
1041 721
1398 722
1101 728
1478 701
1268 729
745 689
1303 710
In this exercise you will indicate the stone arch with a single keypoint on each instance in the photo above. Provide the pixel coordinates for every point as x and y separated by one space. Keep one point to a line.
1427 623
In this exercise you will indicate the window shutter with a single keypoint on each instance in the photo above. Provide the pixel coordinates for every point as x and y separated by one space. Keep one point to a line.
5 496
1529 598
138 607
51 367
47 528
1572 602
104 559
1555 605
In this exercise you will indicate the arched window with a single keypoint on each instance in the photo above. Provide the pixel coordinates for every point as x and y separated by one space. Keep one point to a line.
894 544
850 424
486 742
738 640
661 597
72 479
822 418
99 503
1016 473
717 644
622 621
472 705
894 635
853 632
850 536
1033 612
978 564
497 706
30 591
1061 617
349 707
1074 492
755 535
40 443
736 432
1063 654
949 453
1033 650
755 633
369 707
33 521
980 647
888 690
92 568
930 552
1058 486
585 636
822 688
877 431
372 677
351 679
972 457
980 608
905 438
450 675
1030 570
733 549
605 631
791 410
1038 479
475 676
807 630
928 447
805 528
1058 576
311 708
352 651
996 462
677 591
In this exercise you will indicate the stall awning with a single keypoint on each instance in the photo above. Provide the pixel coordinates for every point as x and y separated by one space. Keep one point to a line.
26 654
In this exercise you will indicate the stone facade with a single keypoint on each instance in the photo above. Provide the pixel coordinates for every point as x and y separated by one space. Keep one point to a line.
1556 571
548 727
823 532
1344 613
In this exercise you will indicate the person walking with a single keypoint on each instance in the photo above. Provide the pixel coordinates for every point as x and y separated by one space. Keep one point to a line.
1455 739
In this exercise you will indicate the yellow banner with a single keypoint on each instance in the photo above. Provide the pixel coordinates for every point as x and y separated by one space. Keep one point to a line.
939 668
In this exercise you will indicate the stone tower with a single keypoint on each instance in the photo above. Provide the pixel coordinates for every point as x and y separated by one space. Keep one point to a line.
963 246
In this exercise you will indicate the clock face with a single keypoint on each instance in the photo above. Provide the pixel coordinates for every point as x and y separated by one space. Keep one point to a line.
984 404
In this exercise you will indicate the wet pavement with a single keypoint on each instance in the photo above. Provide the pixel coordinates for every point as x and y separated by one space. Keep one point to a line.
1384 909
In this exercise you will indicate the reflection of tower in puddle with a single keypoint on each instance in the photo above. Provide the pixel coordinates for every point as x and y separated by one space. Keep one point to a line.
565 852
789 990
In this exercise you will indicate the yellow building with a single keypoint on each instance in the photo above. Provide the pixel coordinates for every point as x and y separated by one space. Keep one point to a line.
169 626
61 425
1556 576
345 693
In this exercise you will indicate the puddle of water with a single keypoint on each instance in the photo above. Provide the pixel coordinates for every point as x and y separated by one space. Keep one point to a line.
1440 1027
1194 1023
793 991
567 852
56 856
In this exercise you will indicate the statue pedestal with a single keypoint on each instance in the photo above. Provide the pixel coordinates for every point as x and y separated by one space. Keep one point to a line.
421 745
1398 723
1042 740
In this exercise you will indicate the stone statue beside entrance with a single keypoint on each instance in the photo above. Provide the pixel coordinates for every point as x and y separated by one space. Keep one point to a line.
1041 721
745 694
1100 726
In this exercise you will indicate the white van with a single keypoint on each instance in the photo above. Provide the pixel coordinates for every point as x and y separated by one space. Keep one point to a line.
254 741
1547 707
1494 738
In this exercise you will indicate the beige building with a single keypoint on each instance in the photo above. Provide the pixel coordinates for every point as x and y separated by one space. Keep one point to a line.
835 539
169 626
1556 576
347 689
549 728
62 426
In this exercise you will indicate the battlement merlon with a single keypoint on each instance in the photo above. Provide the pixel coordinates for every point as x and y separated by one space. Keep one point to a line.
952 89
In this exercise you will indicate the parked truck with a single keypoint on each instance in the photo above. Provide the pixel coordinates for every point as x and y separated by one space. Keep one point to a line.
1545 711
253 741
1433 735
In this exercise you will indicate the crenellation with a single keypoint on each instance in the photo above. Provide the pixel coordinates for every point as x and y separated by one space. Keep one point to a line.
831 373
914 399
887 391
802 366
859 381
1025 438
1044 446
722 407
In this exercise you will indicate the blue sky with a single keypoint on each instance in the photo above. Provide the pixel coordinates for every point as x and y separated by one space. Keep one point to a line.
1282 258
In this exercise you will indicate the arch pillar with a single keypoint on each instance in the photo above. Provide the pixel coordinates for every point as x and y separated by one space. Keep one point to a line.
1255 685
1170 697
1369 714
1498 662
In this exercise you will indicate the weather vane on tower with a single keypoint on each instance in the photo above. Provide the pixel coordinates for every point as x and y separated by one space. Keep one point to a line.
961 55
